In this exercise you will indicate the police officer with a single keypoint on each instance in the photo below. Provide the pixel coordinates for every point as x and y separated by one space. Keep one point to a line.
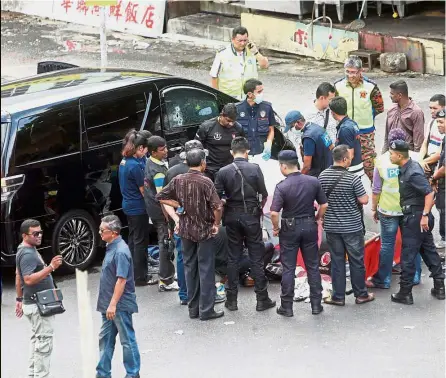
295 196
316 144
417 199
257 119
243 185
216 135
236 63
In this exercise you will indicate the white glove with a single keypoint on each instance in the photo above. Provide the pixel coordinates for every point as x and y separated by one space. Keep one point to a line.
253 48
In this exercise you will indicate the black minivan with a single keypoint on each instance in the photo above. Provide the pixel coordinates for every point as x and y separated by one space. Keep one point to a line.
63 132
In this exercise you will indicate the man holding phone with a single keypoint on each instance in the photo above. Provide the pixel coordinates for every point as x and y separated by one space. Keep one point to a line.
236 63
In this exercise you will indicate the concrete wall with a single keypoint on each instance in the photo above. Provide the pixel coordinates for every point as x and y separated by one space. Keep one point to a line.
294 37
140 17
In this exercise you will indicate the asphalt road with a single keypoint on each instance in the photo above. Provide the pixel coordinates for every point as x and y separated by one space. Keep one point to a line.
380 338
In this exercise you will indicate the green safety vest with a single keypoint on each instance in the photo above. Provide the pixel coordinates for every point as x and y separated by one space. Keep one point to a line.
389 200
230 77
359 104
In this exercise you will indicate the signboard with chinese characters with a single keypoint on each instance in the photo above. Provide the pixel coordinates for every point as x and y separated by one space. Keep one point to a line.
143 17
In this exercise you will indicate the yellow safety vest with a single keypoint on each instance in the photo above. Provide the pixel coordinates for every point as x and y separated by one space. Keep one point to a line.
232 75
389 200
359 104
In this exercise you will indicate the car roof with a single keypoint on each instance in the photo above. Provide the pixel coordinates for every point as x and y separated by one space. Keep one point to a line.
69 84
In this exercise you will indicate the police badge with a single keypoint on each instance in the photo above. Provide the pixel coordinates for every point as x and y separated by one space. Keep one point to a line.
242 114
262 114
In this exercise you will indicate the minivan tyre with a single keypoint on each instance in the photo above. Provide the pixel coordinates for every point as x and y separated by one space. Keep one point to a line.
78 231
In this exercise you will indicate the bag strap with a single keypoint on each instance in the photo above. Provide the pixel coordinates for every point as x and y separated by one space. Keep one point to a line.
330 190
327 115
243 185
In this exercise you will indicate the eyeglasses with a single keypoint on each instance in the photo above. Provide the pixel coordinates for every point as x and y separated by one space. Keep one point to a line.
36 234
101 231
352 73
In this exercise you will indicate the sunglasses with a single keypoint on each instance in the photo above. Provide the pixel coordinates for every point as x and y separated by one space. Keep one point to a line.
36 234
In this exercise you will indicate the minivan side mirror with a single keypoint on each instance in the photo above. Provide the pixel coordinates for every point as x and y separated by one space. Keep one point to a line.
10 186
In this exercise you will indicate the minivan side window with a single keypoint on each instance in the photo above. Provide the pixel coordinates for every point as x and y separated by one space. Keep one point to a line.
47 135
108 121
189 107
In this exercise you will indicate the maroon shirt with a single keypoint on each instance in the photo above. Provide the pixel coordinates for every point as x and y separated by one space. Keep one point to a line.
197 195
411 120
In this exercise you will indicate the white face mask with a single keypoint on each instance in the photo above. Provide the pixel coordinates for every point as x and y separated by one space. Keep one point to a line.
259 98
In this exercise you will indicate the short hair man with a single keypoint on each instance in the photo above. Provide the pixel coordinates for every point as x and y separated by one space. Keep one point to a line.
364 103
347 134
431 149
344 228
321 115
236 63
243 185
33 275
417 199
316 143
154 175
216 135
200 220
116 301
257 118
404 114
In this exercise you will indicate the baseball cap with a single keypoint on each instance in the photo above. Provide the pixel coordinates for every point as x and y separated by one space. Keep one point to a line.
399 145
291 117
190 145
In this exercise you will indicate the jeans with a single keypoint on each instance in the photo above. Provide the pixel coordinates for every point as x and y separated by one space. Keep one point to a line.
122 324
167 269
41 345
353 244
389 229
180 269
138 242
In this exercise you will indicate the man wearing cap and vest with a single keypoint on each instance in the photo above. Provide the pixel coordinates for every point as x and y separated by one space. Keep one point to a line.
387 210
316 144
416 199
257 119
236 63
364 103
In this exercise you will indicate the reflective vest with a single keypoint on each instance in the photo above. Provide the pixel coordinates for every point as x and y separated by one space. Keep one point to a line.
233 75
323 157
389 200
359 104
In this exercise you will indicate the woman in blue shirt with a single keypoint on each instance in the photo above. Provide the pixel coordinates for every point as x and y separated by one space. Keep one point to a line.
131 183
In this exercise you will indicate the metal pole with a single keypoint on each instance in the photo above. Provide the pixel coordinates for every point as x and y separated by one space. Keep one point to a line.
103 35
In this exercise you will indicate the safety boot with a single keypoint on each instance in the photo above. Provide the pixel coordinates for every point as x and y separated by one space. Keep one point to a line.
404 296
265 304
316 306
231 301
438 290
285 309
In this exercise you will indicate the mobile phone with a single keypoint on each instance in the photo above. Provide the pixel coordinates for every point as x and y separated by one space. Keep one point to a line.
180 210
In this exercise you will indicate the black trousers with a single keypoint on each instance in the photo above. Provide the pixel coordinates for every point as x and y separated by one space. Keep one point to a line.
440 204
415 241
245 228
138 242
167 269
303 236
199 262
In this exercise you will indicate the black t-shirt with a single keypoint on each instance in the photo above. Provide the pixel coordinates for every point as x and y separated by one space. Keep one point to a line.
28 262
217 139
177 169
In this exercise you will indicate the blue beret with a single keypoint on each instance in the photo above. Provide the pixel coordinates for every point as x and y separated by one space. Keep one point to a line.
287 155
399 145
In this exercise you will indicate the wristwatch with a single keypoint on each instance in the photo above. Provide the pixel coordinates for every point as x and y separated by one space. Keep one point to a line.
425 214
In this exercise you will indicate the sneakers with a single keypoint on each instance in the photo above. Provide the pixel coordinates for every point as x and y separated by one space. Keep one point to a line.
220 295
172 287
440 244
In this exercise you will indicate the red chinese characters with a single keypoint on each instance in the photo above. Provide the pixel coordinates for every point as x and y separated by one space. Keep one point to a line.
66 4
148 17
130 12
82 7
115 11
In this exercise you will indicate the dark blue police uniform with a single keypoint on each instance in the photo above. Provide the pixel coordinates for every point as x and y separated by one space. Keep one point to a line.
413 188
295 196
256 121
316 143
243 185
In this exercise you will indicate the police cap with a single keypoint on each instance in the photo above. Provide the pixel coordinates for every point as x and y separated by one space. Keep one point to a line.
287 155
440 114
292 117
190 145
399 145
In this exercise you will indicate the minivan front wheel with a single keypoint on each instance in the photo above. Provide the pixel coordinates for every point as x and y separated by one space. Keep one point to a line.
75 238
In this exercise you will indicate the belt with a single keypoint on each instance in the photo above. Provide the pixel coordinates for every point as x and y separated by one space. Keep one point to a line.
298 220
249 210
410 209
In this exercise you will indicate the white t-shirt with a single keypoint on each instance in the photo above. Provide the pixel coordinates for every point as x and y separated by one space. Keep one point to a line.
434 138
215 69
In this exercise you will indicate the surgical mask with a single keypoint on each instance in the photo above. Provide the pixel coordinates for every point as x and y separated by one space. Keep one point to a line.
259 98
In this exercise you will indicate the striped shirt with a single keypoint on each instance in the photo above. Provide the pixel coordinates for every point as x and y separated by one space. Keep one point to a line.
343 214
319 118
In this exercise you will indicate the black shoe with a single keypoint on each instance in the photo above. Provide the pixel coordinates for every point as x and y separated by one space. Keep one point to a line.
438 291
183 302
213 315
316 307
265 305
404 296
193 314
281 311
231 301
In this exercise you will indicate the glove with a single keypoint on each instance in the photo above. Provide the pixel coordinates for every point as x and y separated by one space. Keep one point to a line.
266 151
252 46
